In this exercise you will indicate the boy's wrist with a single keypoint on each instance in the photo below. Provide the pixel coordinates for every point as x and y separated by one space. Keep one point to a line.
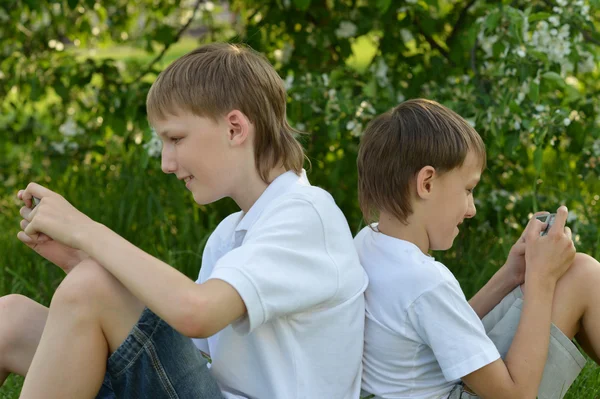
508 278
540 280
87 239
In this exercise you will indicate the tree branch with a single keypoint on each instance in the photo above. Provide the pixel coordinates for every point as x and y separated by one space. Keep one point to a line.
431 41
168 45
459 22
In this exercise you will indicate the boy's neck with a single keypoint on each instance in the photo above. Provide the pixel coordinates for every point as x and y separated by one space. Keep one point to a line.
250 187
410 231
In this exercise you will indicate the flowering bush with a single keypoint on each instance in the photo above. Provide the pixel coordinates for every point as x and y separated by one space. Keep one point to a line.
524 73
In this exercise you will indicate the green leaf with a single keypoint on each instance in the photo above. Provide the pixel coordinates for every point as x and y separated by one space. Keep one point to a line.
492 21
571 94
554 77
302 4
73 4
538 16
383 5
538 157
534 92
512 142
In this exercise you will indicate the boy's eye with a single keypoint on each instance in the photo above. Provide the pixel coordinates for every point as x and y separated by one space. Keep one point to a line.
175 139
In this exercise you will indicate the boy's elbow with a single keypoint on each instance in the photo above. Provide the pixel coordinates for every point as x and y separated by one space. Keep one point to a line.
191 320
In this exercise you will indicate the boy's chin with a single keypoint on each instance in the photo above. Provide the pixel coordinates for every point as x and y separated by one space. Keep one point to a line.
205 199
441 246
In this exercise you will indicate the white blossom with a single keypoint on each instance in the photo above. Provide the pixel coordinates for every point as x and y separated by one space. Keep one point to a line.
380 69
345 30
59 147
288 82
154 145
566 121
553 42
406 35
69 128
284 54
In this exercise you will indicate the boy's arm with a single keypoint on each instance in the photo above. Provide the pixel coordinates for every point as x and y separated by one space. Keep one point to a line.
520 374
195 310
500 285
510 275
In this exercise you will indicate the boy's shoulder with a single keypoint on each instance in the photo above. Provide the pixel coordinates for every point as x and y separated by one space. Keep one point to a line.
398 267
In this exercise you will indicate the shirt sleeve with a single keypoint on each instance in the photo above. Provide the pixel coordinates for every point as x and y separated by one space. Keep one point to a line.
283 265
450 327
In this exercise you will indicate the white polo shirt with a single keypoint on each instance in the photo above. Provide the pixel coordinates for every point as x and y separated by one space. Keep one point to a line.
291 258
421 334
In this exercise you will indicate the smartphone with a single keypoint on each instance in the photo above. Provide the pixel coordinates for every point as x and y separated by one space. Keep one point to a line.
549 218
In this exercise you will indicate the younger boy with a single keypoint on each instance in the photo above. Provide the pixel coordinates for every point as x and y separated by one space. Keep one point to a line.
418 165
279 302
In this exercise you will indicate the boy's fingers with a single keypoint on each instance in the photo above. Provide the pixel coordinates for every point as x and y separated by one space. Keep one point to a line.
36 190
27 213
24 237
524 234
23 224
560 221
535 227
569 233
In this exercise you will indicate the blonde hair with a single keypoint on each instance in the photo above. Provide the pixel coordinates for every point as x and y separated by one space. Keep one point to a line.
217 78
399 143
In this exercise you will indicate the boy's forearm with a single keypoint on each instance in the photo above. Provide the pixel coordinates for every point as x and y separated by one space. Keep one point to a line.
528 352
156 284
492 293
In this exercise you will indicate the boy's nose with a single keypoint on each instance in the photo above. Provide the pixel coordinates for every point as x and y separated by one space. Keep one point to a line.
471 210
167 163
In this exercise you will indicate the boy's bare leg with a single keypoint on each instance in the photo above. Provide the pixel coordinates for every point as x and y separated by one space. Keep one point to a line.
91 314
576 307
22 322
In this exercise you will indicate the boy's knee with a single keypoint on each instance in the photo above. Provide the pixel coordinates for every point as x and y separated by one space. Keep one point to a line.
87 284
585 268
14 311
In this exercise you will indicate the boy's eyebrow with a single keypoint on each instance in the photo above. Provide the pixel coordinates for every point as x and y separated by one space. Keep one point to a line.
162 133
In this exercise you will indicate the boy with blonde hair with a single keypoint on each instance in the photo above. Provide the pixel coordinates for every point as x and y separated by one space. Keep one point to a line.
418 165
278 304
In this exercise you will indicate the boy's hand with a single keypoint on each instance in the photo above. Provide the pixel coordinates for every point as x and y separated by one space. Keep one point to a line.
515 262
550 256
61 255
54 218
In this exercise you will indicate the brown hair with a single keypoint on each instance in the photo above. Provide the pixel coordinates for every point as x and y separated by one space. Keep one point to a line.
217 78
399 143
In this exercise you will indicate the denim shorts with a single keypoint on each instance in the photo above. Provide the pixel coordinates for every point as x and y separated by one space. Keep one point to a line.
155 361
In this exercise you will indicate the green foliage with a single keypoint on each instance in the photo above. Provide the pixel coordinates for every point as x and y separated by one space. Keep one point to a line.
74 75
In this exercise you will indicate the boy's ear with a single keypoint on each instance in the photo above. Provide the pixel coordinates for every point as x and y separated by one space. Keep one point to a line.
239 127
425 179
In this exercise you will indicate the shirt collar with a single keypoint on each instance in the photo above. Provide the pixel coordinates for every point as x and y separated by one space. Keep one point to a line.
397 245
279 186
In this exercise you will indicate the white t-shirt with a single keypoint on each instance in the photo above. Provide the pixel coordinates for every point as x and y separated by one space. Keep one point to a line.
421 334
292 260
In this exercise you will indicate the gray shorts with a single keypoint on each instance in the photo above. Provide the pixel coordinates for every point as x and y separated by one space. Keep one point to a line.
564 362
